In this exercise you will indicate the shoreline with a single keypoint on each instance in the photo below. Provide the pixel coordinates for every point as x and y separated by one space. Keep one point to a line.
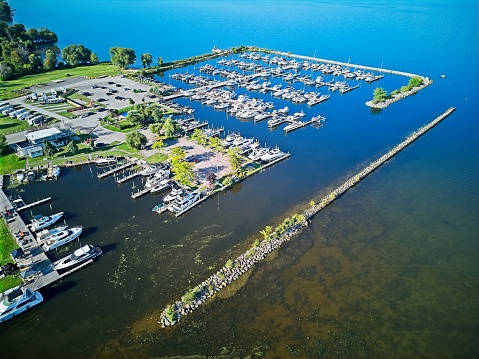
232 270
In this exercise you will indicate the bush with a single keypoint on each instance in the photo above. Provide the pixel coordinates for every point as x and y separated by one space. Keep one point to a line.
229 264
228 181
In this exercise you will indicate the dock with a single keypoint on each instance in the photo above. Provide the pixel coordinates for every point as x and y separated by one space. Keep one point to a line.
115 169
301 125
351 88
140 193
263 117
33 204
128 177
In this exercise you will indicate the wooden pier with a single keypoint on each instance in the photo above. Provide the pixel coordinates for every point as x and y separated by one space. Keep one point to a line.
36 203
115 169
140 193
301 125
128 177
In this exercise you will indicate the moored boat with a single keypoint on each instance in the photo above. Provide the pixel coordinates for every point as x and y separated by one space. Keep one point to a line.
61 238
40 222
17 300
273 154
79 256
106 161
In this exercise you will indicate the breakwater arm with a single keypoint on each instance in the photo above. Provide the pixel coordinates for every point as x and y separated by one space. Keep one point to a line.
232 270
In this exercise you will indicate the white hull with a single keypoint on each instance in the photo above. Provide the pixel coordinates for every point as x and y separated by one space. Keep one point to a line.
61 238
16 301
44 222
79 256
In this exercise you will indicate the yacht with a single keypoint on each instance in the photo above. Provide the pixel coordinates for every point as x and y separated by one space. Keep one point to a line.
42 236
292 126
20 176
272 155
228 141
161 186
80 255
150 170
17 300
61 238
30 176
157 177
40 222
284 110
106 161
56 171
258 153
184 202
175 192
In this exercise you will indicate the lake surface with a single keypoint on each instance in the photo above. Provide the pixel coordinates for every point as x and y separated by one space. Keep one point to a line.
389 270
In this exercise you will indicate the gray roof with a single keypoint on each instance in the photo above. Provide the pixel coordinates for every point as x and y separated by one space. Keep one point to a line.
38 135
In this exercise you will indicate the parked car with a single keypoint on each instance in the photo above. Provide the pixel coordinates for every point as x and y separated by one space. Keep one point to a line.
101 99
191 158
99 144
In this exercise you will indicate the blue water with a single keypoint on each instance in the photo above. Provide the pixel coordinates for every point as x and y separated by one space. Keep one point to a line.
391 266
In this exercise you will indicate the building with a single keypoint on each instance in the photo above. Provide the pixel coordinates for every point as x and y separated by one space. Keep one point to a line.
33 146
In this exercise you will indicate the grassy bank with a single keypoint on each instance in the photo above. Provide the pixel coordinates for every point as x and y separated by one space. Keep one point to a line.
7 244
14 88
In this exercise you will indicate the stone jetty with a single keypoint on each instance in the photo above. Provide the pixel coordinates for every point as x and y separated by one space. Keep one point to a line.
232 270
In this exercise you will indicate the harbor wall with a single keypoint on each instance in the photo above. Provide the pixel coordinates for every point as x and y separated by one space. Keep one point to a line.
199 295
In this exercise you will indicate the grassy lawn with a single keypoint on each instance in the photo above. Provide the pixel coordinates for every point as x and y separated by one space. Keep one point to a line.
159 157
9 163
10 281
9 89
11 125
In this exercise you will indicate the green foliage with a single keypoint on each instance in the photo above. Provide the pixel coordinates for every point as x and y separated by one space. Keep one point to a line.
94 59
256 243
379 95
183 172
235 158
414 82
404 89
146 59
72 148
156 128
312 203
3 143
135 140
395 92
122 57
190 295
168 127
76 55
158 145
227 181
215 142
48 149
266 232
177 154
198 136
171 313
229 264
50 60
5 11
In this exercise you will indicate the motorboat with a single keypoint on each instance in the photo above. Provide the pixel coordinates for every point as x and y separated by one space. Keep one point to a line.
157 177
20 176
17 300
149 170
42 236
40 222
80 255
258 153
61 238
106 161
228 141
272 155
184 201
175 192
56 171
30 176
161 186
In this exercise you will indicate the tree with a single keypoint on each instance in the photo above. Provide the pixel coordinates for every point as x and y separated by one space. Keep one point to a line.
236 160
160 61
3 143
72 147
158 145
122 57
177 154
156 128
50 60
183 172
48 148
379 95
215 142
146 59
414 82
94 59
211 179
168 127
75 55
35 61
136 140
198 136
6 71
92 144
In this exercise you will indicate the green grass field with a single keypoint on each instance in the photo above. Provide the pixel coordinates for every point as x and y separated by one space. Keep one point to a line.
12 88
9 163
11 125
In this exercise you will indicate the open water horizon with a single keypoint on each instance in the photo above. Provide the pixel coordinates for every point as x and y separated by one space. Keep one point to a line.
389 270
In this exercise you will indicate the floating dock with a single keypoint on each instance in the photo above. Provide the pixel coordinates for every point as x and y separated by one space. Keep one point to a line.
140 193
36 203
115 169
128 177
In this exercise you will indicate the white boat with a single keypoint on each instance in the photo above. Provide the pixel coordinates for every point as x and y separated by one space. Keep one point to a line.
20 176
284 110
272 155
184 202
42 236
228 141
258 153
61 238
80 255
150 170
40 222
56 171
299 114
30 176
157 177
106 161
175 192
161 186
17 300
